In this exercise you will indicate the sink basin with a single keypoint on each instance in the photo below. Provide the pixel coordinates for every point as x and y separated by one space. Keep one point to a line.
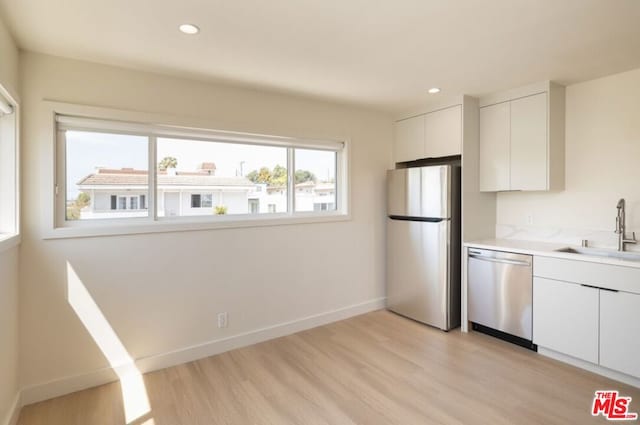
628 256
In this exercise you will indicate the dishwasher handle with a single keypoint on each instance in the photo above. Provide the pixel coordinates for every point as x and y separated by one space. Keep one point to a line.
500 260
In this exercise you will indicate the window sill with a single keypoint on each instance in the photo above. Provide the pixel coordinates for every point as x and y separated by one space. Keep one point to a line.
8 241
188 224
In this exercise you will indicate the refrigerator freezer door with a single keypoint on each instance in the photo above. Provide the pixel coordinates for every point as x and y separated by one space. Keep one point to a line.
422 192
418 280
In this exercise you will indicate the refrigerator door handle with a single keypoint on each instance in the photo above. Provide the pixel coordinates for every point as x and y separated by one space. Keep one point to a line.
424 219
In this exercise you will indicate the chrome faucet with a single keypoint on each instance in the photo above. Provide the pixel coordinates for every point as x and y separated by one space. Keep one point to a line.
621 227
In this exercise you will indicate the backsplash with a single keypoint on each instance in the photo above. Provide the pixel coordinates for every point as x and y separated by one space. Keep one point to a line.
569 236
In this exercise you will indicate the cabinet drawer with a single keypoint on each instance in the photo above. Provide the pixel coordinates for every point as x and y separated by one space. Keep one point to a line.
597 274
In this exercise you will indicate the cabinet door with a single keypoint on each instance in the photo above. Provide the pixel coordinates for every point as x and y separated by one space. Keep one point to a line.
565 318
620 332
529 143
494 147
443 132
409 139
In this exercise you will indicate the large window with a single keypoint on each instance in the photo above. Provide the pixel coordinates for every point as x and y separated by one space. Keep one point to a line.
8 167
128 172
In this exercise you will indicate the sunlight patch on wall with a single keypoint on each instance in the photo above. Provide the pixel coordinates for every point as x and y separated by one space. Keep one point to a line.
134 392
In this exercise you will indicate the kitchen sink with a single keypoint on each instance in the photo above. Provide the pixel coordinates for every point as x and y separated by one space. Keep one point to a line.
628 256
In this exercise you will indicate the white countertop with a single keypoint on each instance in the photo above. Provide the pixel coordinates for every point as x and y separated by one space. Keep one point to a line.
546 249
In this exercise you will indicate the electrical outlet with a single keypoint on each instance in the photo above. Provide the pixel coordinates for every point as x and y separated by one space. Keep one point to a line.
223 320
530 219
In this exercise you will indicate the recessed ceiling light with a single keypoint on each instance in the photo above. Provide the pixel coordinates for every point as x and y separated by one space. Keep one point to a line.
434 90
189 29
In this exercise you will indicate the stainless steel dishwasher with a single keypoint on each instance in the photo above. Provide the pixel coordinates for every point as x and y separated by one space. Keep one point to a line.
500 294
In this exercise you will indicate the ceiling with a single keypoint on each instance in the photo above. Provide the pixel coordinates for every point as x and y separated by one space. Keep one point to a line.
383 54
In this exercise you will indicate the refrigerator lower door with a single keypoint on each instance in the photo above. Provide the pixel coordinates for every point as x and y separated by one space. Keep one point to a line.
418 279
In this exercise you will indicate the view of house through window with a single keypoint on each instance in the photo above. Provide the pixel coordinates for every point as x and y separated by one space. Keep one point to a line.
315 176
107 176
216 178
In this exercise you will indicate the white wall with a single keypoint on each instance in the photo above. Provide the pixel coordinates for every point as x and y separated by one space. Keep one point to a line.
602 165
8 332
8 262
162 292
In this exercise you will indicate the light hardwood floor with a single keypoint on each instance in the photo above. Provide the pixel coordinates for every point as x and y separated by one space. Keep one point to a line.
378 368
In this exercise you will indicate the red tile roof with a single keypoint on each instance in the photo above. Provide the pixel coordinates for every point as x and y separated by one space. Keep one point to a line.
131 177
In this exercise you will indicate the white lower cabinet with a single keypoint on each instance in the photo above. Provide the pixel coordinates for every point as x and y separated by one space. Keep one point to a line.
620 332
565 318
589 311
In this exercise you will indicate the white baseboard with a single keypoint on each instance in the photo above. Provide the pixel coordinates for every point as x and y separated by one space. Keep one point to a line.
56 388
612 374
14 412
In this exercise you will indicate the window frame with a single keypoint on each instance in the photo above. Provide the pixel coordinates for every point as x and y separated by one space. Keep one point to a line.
143 124
10 234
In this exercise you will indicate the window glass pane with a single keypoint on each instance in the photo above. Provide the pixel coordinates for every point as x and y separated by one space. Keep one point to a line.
315 180
102 171
195 201
207 200
224 178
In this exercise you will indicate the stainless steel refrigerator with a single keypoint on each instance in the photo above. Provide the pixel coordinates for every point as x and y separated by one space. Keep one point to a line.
423 244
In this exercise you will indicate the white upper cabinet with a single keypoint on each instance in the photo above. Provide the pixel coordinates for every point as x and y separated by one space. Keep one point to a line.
443 132
529 143
522 139
495 127
409 139
431 135
619 331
